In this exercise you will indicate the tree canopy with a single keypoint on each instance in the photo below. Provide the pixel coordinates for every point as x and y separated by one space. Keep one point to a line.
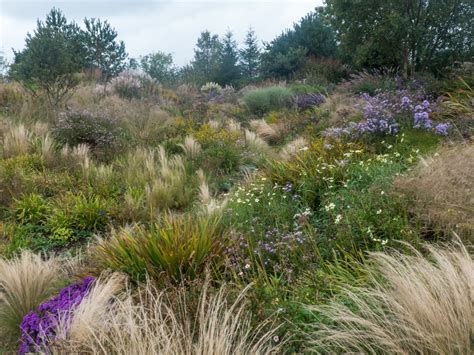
415 35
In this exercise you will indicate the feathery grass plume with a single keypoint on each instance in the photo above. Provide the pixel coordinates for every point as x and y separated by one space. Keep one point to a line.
292 148
191 147
139 167
17 141
167 185
233 126
257 144
204 193
40 129
47 148
208 204
133 204
25 282
441 190
81 156
340 107
413 305
92 310
268 132
214 124
144 323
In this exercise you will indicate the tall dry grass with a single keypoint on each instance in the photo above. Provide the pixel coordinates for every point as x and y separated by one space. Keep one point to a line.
415 305
25 282
145 323
191 147
270 132
16 141
257 145
292 148
163 178
441 190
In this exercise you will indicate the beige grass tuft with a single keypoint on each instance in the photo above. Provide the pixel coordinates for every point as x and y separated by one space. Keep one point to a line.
191 147
17 141
269 132
416 305
25 282
292 148
441 190
145 324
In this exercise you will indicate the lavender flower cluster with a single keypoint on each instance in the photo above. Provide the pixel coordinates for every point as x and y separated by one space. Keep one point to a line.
384 112
38 327
306 101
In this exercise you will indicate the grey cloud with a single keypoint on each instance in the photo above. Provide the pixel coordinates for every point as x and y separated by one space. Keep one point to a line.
171 26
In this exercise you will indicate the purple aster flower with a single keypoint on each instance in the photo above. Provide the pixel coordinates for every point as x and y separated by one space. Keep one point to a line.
38 327
442 129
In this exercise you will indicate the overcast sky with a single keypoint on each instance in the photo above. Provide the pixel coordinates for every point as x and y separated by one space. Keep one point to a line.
150 25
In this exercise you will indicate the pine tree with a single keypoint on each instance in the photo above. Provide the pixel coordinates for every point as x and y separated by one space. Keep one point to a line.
206 58
229 71
103 51
52 57
250 55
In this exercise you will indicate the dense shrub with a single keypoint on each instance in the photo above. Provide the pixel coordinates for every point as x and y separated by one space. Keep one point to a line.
323 71
131 85
99 132
306 101
261 101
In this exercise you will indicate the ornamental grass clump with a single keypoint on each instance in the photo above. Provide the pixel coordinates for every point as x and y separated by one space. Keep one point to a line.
414 304
261 101
38 327
179 247
152 322
440 190
25 282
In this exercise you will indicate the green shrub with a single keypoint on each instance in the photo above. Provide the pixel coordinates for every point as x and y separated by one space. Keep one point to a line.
101 133
261 101
221 158
31 209
178 248
323 71
89 213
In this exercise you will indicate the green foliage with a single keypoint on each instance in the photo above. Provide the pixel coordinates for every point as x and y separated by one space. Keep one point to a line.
44 224
159 66
312 36
207 55
250 56
103 51
229 71
304 89
179 248
414 36
31 209
321 71
51 58
261 101
371 83
89 213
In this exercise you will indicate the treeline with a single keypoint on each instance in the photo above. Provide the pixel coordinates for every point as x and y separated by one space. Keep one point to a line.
409 35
